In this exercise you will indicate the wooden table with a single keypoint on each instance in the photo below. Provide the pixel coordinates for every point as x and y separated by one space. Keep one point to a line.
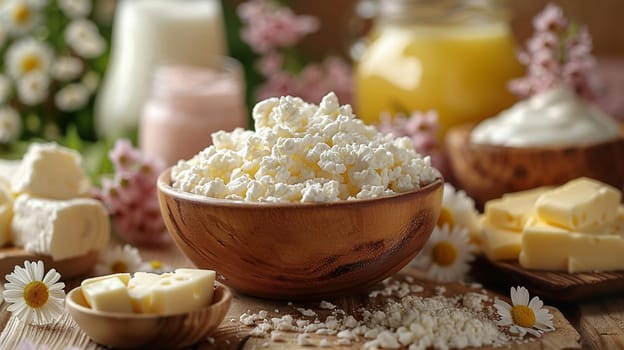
597 324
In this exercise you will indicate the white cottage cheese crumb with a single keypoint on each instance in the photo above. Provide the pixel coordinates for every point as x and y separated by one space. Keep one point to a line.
302 152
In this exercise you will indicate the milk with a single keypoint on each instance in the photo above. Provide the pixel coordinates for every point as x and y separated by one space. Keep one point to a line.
147 33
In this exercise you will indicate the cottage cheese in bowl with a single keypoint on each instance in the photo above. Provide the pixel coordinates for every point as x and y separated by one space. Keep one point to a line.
301 152
555 117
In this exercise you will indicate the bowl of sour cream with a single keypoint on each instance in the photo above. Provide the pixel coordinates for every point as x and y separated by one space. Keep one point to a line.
548 139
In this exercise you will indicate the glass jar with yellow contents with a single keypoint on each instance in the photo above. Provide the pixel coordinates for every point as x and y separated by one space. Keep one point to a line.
453 56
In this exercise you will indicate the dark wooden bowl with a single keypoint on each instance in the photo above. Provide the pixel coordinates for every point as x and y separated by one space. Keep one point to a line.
486 171
298 251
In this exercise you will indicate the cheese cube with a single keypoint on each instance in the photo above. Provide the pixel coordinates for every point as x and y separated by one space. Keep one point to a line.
108 293
500 244
8 168
59 228
548 247
511 211
50 171
170 293
579 204
140 290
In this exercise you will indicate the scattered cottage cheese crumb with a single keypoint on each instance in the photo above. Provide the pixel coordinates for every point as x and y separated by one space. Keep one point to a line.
301 152
307 312
410 321
326 305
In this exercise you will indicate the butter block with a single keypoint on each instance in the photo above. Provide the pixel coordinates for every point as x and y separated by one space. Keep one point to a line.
59 228
512 210
108 293
548 247
50 171
580 204
183 290
501 244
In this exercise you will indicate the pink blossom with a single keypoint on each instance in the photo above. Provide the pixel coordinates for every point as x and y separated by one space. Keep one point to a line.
270 64
130 195
558 53
278 84
550 19
267 26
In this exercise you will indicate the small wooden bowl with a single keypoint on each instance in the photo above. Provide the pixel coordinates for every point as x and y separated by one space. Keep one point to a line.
121 330
486 171
300 250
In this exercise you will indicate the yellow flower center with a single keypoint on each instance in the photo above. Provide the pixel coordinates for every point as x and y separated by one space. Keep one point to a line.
119 267
444 253
156 264
21 14
30 63
446 217
523 316
36 294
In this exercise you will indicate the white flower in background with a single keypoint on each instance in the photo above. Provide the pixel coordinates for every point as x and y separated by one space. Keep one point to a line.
84 38
20 16
75 8
26 56
523 316
459 210
155 266
66 68
5 88
446 255
91 80
32 89
10 124
72 97
118 260
34 298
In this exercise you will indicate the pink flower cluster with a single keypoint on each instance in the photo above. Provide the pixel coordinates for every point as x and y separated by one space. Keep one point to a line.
269 29
131 197
311 84
422 129
558 53
268 26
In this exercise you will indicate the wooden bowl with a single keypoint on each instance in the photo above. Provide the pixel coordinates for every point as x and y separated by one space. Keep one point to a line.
487 171
124 330
300 250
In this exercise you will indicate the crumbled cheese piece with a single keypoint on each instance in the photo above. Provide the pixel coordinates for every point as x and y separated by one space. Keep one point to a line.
302 152
307 312
324 343
304 340
326 305
278 337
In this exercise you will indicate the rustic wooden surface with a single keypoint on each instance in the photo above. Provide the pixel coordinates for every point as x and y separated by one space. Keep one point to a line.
600 322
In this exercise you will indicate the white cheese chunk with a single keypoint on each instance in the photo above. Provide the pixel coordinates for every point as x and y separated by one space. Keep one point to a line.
50 171
59 228
108 293
171 293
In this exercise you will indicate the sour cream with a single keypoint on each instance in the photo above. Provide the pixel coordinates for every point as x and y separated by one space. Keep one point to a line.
555 117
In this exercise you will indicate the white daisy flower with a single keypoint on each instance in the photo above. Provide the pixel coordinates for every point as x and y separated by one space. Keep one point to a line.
459 210
119 259
32 89
72 97
83 37
66 68
446 255
75 8
5 88
91 80
523 316
10 124
26 56
34 298
21 16
155 266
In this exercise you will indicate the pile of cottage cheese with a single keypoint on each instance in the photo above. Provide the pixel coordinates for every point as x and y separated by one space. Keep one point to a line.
301 152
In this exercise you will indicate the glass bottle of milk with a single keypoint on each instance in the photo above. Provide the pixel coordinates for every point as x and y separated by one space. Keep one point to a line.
148 33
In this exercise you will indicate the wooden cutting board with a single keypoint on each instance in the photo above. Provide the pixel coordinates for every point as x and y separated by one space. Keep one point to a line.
550 285
234 335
